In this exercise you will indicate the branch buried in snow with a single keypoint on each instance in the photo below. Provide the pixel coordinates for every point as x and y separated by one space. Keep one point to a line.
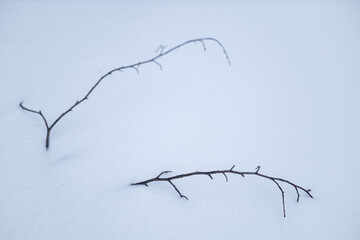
276 180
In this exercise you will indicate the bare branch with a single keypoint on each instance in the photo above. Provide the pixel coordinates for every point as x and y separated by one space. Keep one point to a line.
203 45
135 66
224 172
164 172
298 195
37 112
136 69
226 177
48 129
158 65
160 49
176 189
282 195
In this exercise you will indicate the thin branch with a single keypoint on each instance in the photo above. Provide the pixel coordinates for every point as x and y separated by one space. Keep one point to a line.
160 48
203 45
160 66
282 196
224 172
136 69
226 177
37 112
135 66
298 194
164 172
176 189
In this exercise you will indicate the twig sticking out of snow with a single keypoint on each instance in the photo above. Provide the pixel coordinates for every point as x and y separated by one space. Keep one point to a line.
224 172
134 66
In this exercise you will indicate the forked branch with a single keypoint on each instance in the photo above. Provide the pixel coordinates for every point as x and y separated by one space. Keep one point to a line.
276 180
134 66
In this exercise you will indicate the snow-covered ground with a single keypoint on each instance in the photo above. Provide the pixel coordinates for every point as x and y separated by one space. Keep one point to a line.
290 102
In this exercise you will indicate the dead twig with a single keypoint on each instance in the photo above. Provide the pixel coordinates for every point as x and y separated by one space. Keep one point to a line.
276 180
134 66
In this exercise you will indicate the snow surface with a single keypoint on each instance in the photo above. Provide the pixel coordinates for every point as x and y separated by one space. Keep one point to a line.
290 102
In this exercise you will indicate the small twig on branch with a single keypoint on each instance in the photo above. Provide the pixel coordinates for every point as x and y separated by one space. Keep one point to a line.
224 172
204 45
135 66
160 66
160 49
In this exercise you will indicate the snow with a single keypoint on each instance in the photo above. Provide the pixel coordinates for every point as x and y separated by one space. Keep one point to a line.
289 103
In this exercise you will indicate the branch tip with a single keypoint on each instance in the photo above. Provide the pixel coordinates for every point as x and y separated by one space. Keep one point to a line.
154 61
202 41
164 172
177 190
136 69
183 196
161 49
225 177
297 192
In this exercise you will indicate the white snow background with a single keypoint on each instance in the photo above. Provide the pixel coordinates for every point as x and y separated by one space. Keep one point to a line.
289 102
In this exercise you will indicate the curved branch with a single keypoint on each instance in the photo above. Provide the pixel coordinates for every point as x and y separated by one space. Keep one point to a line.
164 172
160 66
224 172
177 190
135 66
225 177
37 112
